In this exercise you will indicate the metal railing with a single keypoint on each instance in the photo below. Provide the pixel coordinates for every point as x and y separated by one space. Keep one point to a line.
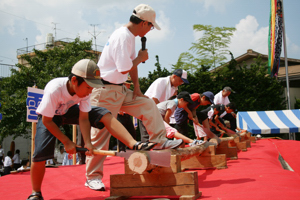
29 49
42 46
5 70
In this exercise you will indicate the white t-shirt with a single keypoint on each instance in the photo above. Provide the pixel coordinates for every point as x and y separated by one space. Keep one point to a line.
1 152
117 56
7 161
219 99
210 113
16 159
60 157
161 89
165 105
57 100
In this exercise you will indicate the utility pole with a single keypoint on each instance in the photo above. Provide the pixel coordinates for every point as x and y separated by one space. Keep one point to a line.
95 34
54 30
26 45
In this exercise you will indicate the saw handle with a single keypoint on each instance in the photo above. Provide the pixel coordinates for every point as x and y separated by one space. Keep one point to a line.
97 152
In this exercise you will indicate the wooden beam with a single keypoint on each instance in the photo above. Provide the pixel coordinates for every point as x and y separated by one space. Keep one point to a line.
183 183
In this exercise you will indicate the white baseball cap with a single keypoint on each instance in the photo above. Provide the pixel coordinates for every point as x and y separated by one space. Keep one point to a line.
89 71
146 13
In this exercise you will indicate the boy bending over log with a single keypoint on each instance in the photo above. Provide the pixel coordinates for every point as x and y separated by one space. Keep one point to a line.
66 100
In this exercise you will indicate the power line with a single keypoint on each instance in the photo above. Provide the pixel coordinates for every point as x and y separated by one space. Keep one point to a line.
34 21
8 58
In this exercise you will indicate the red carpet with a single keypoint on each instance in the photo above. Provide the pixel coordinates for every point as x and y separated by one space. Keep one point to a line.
257 174
289 150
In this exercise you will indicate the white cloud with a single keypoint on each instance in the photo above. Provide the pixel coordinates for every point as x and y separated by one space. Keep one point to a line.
248 35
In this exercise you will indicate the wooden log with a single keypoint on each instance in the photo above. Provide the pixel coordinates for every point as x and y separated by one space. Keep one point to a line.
138 162
175 167
227 139
189 152
208 159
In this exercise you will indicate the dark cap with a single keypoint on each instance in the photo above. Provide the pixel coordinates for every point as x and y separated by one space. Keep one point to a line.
220 108
227 88
209 95
89 71
182 74
186 96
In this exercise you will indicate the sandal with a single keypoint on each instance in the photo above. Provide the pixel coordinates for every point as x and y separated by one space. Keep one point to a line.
35 196
143 146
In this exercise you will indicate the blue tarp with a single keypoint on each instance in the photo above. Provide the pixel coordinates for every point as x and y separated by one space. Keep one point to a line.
268 122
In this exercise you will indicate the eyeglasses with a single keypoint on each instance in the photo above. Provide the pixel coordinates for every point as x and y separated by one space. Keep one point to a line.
150 24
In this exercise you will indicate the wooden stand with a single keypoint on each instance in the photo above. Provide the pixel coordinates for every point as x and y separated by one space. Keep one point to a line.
245 138
183 184
238 143
154 180
224 148
208 159
249 137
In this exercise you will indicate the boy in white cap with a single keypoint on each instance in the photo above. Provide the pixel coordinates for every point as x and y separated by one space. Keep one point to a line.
66 100
117 60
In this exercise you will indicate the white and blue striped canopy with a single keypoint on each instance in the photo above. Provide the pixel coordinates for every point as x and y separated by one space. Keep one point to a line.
267 122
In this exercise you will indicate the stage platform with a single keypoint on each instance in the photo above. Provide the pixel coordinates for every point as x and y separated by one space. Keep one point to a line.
256 174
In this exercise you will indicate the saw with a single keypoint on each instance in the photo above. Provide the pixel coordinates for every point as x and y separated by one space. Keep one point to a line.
157 157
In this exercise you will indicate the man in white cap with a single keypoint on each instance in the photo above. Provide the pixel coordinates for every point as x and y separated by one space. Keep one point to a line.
161 90
117 60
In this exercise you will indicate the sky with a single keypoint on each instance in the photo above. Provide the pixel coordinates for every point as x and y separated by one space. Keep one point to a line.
27 22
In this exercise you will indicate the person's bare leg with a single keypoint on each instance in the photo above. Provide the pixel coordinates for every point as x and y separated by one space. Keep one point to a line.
37 172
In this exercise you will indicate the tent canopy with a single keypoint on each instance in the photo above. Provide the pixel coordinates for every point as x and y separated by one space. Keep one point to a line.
268 122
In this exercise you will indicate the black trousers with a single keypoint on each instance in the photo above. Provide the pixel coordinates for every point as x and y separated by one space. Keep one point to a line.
183 128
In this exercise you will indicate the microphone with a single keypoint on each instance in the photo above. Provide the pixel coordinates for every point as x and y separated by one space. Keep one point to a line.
143 39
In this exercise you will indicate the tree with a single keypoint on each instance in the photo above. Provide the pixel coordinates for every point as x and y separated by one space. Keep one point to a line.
255 89
44 66
210 49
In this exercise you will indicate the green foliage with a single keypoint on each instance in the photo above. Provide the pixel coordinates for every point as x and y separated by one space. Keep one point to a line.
255 90
210 49
297 104
46 65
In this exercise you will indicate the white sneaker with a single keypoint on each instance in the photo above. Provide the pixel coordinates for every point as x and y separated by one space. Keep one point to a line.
95 184
196 142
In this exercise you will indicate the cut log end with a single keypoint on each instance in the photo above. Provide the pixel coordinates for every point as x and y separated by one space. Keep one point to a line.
138 162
